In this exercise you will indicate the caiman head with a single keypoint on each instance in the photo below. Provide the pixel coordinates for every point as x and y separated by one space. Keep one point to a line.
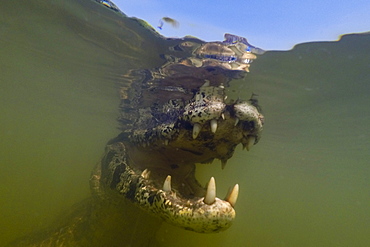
174 117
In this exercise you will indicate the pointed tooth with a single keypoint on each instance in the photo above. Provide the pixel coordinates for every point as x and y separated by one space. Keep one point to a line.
145 174
244 145
225 98
223 164
250 142
166 141
232 197
213 125
196 129
244 142
211 192
223 116
236 121
167 184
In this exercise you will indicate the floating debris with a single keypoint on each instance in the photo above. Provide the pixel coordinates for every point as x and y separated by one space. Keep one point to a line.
168 20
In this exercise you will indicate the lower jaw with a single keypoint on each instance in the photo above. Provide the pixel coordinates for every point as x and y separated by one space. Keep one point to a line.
207 214
182 202
178 200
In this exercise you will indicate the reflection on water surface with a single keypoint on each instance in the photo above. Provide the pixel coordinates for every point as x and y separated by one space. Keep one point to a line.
305 184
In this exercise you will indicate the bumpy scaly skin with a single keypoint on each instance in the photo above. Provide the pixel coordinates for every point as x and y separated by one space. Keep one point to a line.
174 151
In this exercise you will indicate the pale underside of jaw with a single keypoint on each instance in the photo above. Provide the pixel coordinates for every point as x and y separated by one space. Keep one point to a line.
205 214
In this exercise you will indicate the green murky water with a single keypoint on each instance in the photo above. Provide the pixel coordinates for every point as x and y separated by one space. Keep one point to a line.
305 184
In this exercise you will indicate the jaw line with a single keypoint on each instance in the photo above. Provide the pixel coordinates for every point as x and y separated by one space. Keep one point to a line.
145 166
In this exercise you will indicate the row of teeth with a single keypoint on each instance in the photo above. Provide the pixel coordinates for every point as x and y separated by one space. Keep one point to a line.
247 142
197 126
210 197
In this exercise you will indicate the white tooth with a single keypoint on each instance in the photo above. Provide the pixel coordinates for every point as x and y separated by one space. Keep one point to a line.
233 195
243 146
166 142
225 98
167 184
145 174
223 116
250 142
236 121
211 192
223 164
244 142
196 129
213 125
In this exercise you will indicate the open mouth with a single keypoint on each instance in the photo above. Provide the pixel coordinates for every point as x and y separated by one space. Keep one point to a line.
159 173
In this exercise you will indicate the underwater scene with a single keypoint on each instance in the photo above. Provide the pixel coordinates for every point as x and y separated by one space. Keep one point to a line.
75 73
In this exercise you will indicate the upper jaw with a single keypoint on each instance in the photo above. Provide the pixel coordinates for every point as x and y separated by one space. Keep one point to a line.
207 115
